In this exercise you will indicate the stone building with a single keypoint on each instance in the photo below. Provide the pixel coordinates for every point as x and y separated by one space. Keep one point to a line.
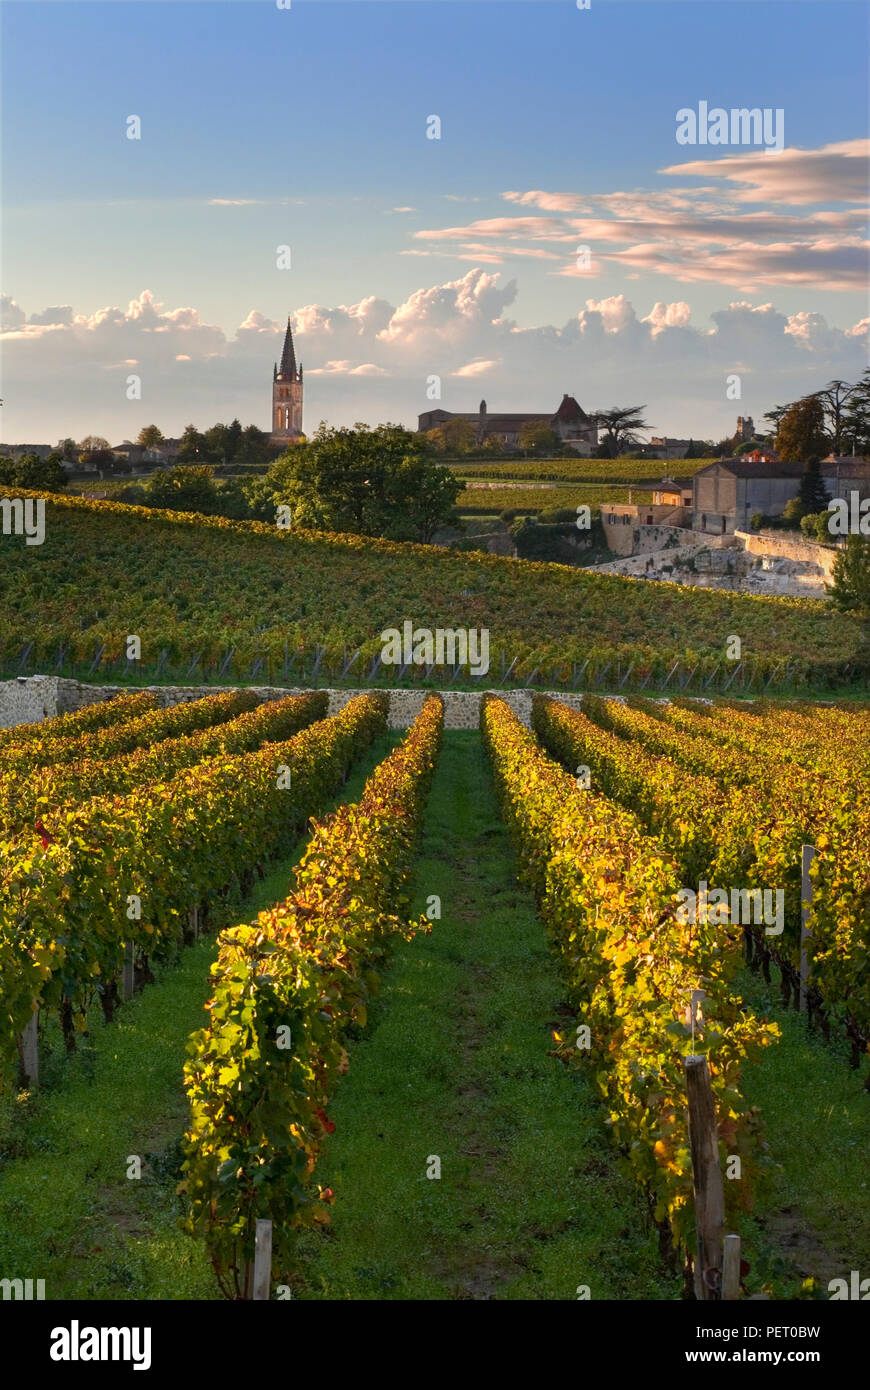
728 493
570 422
287 395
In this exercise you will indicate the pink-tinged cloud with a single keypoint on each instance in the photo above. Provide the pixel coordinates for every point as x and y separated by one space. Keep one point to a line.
534 253
479 368
755 226
549 228
549 202
826 263
347 368
835 173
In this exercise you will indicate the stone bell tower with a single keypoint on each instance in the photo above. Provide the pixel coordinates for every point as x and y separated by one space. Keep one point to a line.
287 395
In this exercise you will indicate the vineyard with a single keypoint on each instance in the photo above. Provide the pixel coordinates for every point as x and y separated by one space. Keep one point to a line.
454 987
233 602
620 471
493 498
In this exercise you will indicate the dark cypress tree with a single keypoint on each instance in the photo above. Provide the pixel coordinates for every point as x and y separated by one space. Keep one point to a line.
813 495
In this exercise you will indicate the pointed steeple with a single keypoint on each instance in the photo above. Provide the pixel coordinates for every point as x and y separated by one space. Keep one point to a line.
288 356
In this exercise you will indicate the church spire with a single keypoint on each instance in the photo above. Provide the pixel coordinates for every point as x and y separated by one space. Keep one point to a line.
288 356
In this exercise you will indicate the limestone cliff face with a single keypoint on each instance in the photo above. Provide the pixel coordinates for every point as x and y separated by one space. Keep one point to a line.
749 563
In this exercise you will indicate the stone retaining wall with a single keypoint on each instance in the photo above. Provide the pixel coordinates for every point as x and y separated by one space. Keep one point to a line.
790 548
32 698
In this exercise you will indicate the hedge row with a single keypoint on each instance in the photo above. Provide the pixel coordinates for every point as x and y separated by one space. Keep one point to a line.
142 732
749 834
48 790
125 871
117 710
286 990
607 894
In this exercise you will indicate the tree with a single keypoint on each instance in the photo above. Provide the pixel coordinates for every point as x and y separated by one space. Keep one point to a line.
856 419
214 446
458 436
370 482
850 589
801 432
93 443
94 451
421 497
189 488
813 495
253 447
537 437
150 436
232 499
34 473
816 526
775 415
834 399
192 445
232 440
260 497
622 426
68 450
843 409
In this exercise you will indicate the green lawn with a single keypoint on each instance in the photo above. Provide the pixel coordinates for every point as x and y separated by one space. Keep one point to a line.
812 1211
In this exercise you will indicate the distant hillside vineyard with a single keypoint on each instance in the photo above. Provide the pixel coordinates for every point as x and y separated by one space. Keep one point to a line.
243 599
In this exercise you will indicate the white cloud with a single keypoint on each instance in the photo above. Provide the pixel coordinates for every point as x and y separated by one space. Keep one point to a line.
371 360
57 313
11 313
662 316
615 313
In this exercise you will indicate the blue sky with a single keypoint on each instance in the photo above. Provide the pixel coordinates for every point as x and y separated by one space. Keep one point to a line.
309 127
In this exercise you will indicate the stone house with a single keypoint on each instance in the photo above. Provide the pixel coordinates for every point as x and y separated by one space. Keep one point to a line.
728 493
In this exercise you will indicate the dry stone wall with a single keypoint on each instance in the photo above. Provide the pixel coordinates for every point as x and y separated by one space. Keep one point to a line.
32 698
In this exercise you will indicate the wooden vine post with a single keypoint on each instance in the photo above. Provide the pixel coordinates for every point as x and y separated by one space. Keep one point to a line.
707 1176
807 855
28 1053
731 1269
129 970
258 1282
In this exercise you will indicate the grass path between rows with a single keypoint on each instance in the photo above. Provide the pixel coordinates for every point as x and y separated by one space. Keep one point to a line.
454 1065
812 1209
69 1214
